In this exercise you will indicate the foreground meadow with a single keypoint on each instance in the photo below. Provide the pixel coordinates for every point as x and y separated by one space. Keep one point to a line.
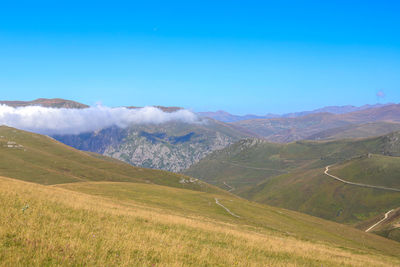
48 225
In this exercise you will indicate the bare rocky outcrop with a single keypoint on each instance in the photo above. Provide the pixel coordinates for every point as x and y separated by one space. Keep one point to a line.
172 146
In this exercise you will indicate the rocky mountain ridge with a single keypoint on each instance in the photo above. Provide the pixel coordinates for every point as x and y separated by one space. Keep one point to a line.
172 146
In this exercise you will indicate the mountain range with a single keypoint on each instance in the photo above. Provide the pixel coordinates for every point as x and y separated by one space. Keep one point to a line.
175 146
227 117
284 130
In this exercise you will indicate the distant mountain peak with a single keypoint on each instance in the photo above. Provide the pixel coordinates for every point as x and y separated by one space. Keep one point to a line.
46 102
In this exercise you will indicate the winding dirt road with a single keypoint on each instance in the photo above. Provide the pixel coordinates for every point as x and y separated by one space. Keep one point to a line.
368 186
230 212
359 184
386 216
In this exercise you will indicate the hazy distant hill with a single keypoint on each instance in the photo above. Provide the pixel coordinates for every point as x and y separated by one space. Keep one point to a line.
290 129
334 110
44 102
304 127
227 117
389 113
357 131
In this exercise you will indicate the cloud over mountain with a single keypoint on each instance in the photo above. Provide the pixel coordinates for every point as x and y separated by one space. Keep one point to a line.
74 121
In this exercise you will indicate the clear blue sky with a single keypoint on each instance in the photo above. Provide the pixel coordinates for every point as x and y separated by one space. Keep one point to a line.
240 56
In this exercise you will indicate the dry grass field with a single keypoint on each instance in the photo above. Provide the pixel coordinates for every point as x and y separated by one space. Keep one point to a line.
47 225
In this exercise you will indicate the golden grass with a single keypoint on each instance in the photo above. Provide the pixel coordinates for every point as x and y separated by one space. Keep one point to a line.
62 227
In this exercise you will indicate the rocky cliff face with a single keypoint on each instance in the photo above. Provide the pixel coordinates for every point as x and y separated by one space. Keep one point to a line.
173 153
172 146
391 145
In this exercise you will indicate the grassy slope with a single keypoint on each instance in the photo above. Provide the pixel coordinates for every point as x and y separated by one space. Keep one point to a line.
249 162
315 193
129 224
370 170
303 186
46 161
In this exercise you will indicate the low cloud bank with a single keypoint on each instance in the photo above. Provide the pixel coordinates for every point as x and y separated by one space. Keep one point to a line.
75 121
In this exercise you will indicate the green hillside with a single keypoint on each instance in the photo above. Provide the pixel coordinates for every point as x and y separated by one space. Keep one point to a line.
292 175
41 159
250 161
313 192
373 169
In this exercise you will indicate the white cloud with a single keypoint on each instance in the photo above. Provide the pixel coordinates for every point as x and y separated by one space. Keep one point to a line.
74 121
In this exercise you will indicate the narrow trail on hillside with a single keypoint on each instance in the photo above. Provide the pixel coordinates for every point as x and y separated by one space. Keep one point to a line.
373 226
231 188
230 212
249 167
359 184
